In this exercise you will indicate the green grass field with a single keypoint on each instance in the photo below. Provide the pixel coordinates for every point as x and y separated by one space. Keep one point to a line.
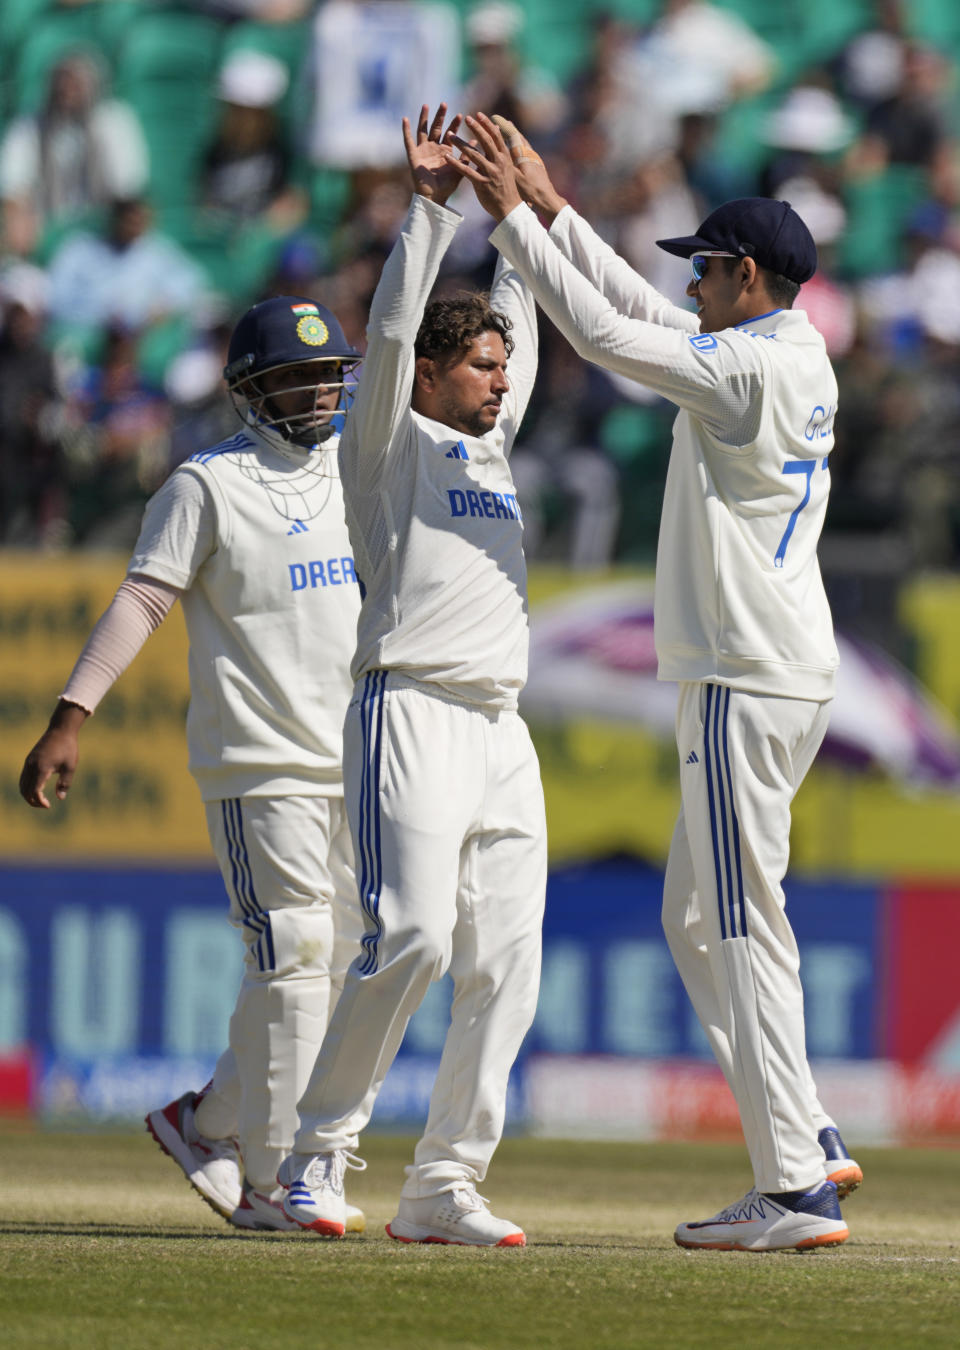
103 1245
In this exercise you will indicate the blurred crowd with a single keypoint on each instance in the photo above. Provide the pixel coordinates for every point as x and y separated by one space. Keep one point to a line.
164 165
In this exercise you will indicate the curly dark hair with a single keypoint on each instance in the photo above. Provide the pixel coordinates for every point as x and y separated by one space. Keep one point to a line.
451 323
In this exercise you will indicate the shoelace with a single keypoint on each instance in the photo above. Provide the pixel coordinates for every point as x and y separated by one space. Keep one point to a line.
731 1210
327 1170
466 1198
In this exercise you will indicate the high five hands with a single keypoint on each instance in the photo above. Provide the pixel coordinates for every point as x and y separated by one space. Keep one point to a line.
504 168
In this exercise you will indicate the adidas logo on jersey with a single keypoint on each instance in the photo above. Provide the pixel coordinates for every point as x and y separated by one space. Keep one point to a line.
693 757
459 451
298 527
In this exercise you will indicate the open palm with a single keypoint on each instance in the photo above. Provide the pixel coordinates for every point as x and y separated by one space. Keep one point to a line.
433 175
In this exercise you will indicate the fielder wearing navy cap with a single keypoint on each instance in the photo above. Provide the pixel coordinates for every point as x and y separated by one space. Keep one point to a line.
762 228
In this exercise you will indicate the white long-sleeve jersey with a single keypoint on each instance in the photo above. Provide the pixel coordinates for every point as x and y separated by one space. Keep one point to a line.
433 515
257 542
739 599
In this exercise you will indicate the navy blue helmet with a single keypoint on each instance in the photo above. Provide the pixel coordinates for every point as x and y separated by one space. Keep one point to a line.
283 331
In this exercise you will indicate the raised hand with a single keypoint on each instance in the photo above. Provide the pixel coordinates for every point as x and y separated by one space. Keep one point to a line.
488 164
533 180
433 174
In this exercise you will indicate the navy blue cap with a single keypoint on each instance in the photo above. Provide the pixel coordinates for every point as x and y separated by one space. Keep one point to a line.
762 228
282 330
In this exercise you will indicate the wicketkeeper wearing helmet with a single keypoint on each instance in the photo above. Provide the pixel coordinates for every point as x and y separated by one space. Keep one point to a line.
250 536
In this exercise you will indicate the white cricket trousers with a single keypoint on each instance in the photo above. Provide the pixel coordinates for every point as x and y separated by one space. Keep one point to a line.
742 758
446 810
287 863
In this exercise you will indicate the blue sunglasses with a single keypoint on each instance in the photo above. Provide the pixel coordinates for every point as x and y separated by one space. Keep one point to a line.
699 261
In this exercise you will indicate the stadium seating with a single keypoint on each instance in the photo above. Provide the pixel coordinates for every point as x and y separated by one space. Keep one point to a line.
18 18
167 66
878 208
936 21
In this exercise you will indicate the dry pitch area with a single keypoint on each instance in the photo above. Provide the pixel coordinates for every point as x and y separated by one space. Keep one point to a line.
103 1244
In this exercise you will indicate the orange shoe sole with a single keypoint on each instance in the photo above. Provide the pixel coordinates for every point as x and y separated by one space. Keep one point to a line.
511 1240
847 1178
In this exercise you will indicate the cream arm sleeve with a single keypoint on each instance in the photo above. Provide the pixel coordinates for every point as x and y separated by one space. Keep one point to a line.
138 608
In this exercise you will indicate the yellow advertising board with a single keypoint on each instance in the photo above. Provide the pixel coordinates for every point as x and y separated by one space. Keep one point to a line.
610 787
132 795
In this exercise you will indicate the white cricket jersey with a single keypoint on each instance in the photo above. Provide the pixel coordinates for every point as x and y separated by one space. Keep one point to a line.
739 599
433 514
257 542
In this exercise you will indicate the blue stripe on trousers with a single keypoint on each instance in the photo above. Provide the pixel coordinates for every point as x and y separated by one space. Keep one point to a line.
254 919
263 947
708 767
239 861
741 910
257 916
371 726
724 826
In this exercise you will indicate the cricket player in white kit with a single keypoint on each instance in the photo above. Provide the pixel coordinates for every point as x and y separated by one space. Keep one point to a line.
742 625
250 536
442 782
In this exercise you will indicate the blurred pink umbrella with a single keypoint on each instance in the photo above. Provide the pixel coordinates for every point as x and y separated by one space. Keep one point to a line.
592 654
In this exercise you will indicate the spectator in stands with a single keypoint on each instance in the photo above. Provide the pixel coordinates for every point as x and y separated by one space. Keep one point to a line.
79 152
131 275
558 469
119 452
633 210
869 67
827 300
32 491
595 96
696 58
247 169
806 133
201 410
643 132
703 44
913 313
501 82
910 127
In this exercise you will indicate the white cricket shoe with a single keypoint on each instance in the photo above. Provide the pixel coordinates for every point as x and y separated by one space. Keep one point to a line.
262 1211
458 1216
842 1170
769 1223
314 1186
212 1166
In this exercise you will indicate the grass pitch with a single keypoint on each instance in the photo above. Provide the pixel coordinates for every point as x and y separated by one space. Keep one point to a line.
103 1246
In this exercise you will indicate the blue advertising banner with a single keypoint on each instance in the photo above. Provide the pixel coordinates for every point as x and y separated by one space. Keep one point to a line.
121 981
